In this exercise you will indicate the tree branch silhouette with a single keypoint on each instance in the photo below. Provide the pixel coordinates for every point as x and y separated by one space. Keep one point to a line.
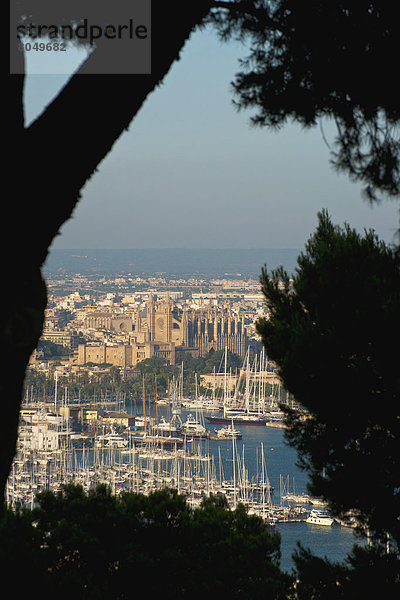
54 157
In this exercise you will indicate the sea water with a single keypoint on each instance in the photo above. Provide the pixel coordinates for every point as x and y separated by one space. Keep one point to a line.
284 475
170 261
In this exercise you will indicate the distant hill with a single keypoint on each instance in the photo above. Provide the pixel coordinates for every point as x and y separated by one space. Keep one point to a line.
172 261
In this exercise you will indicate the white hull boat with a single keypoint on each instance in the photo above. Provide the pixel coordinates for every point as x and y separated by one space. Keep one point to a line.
319 517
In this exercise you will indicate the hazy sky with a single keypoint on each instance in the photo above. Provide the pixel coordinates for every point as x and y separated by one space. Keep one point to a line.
191 172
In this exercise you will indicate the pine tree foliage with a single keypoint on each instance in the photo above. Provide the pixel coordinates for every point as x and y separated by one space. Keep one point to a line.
314 60
94 545
334 333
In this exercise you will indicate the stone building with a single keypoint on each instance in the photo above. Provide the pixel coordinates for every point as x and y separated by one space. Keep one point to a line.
160 329
108 321
215 328
118 418
119 356
160 323
197 331
60 336
125 355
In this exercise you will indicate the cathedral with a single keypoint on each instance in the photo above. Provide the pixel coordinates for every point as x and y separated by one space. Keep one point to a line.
196 331
162 328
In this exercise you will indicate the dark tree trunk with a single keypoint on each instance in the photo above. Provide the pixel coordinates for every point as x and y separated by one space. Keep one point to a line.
52 160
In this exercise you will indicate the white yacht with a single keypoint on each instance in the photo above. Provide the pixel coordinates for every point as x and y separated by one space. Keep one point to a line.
228 432
319 517
192 427
166 428
111 440
141 421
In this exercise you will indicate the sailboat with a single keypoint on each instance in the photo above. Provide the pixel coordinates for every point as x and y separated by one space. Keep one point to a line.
163 432
240 416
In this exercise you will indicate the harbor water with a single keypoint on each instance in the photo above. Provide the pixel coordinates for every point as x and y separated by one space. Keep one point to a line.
257 468
333 542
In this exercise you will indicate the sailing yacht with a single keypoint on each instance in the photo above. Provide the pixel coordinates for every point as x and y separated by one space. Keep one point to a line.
240 416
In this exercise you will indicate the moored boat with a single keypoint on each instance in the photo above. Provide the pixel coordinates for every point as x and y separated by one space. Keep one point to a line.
239 418
166 428
319 517
111 440
227 433
193 428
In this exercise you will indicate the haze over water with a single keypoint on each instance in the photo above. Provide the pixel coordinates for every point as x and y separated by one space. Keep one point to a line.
173 261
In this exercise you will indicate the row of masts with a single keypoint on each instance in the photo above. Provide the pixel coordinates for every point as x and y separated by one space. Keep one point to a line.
139 462
135 468
250 391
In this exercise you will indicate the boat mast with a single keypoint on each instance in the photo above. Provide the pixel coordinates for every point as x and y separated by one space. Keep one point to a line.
55 391
214 388
155 381
169 410
225 380
234 469
144 409
247 392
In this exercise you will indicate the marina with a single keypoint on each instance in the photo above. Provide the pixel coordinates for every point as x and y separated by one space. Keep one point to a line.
231 444
253 466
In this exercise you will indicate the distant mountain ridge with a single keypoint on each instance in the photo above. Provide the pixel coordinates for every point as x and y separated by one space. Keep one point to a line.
172 261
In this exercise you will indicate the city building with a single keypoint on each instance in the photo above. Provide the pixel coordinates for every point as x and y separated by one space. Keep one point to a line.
160 329
197 331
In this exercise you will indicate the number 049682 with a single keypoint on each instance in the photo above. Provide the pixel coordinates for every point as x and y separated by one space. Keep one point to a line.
42 47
